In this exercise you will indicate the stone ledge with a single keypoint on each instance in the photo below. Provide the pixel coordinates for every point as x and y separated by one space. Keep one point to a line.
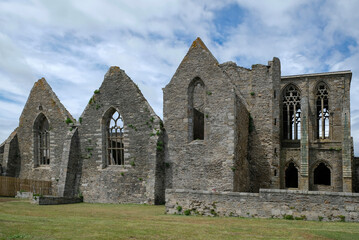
52 200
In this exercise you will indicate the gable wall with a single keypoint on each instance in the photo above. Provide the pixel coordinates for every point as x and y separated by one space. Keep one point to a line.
201 164
136 180
41 96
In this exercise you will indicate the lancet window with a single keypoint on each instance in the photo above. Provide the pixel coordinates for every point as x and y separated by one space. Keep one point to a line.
322 111
42 140
115 137
196 109
291 113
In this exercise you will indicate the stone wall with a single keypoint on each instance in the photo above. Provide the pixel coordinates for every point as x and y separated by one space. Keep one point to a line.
52 200
206 163
70 168
42 101
140 178
241 165
259 90
268 203
2 146
11 161
335 151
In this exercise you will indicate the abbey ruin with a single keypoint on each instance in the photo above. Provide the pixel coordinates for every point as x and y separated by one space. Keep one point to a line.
227 133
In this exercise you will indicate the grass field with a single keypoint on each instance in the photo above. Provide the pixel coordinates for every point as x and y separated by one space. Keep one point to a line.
21 220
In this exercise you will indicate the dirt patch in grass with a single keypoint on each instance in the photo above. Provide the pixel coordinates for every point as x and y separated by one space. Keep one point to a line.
9 199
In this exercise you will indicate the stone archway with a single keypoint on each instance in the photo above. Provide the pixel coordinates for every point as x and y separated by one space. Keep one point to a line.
291 176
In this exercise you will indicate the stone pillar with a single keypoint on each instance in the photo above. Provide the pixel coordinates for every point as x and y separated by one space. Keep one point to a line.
304 146
346 156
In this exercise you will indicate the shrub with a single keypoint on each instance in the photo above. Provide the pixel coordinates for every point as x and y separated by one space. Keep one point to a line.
288 217
96 91
179 208
342 218
187 212
68 121
252 93
132 163
320 218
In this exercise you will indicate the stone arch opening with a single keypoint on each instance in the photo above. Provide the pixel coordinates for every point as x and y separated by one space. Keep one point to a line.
113 137
196 92
291 113
322 175
41 132
291 176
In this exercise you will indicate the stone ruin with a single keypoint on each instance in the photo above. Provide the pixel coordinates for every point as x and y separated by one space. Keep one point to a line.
225 129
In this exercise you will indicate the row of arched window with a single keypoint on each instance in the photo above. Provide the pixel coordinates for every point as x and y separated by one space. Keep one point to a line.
114 137
322 175
291 112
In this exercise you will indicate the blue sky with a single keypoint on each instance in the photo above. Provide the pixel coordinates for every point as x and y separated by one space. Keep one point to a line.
73 43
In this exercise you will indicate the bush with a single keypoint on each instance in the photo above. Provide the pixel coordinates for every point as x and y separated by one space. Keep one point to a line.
288 217
179 208
187 212
68 121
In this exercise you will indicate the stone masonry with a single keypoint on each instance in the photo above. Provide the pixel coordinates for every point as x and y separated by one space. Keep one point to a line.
225 129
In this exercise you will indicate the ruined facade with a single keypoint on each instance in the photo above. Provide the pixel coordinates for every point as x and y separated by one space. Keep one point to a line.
260 130
226 128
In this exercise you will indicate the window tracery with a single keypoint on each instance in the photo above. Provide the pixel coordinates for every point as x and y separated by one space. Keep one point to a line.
322 111
115 137
291 113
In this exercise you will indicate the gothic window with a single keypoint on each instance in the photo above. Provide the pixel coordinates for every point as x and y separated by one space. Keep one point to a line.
196 109
291 176
322 111
322 175
42 140
114 143
291 113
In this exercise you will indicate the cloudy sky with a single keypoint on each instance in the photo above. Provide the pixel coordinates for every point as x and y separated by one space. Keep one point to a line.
73 43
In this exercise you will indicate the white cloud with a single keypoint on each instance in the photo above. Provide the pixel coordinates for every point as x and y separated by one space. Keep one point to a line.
72 43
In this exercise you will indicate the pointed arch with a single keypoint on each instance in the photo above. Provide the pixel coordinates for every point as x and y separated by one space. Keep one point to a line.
41 130
291 112
322 174
322 110
291 175
113 137
196 103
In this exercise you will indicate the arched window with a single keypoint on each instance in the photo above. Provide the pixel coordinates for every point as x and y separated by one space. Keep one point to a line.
291 113
196 109
114 141
42 140
322 175
322 111
291 176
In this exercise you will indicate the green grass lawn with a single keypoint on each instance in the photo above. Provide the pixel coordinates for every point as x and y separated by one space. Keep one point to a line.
21 220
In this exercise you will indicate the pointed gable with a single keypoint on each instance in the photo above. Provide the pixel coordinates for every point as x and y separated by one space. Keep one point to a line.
198 57
42 96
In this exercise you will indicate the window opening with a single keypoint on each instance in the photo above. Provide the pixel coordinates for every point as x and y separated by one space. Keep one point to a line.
322 111
291 113
291 176
115 146
322 175
198 95
43 141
